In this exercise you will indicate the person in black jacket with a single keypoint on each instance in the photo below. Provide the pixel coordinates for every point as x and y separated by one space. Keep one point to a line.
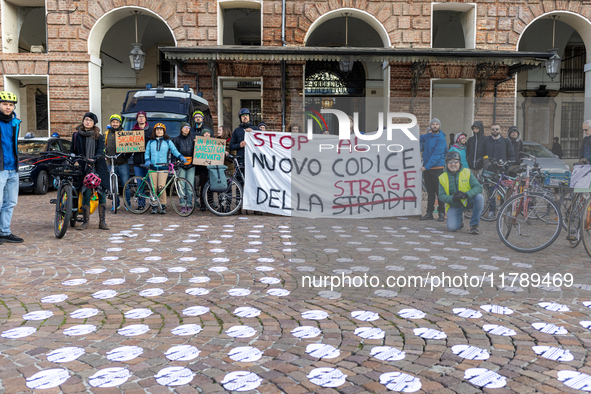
557 148
516 143
473 144
185 144
121 165
237 141
88 142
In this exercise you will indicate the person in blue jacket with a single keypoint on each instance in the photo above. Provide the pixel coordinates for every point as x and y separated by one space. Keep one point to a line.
434 149
460 147
9 181
158 151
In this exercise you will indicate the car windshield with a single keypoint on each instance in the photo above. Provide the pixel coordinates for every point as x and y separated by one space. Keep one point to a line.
171 121
537 150
31 147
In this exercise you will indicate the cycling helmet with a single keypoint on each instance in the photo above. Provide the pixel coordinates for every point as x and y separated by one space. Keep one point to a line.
55 135
243 111
457 139
7 96
115 116
453 155
92 181
198 113
160 126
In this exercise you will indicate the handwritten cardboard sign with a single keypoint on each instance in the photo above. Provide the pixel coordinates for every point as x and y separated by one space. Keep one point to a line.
130 141
209 151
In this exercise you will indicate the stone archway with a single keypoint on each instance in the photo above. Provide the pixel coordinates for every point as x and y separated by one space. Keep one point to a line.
122 20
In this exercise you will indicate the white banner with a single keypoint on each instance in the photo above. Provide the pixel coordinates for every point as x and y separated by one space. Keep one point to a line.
288 174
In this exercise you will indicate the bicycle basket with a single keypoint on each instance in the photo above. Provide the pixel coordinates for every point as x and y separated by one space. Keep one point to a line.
66 170
217 178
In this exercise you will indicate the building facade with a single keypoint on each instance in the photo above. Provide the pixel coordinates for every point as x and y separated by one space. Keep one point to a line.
436 59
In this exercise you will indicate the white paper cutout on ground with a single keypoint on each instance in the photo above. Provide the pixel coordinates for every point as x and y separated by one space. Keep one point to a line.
241 332
109 258
121 241
241 381
521 265
54 298
344 260
457 267
298 260
342 271
426 266
185 259
512 289
387 353
250 250
498 330
483 377
488 267
394 268
197 291
329 295
360 268
410 313
124 353
174 376
109 377
497 309
246 354
315 314
278 292
247 311
81 329
155 292
220 259
370 332
177 269
238 292
586 324
451 249
575 380
157 279
47 379
553 353
218 269
84 313
306 332
554 307
400 382
18 332
480 249
410 258
38 315
139 270
133 330
467 313
74 282
548 328
327 377
195 311
184 249
550 288
182 353
116 281
429 333
365 315
264 268
187 329
65 354
582 287
439 258
200 279
470 352
456 291
139 313
320 350
114 249
270 280
305 268
95 271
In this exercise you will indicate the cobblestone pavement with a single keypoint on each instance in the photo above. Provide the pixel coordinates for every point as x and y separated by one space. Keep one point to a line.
166 304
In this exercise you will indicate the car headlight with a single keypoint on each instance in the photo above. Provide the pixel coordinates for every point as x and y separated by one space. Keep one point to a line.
25 168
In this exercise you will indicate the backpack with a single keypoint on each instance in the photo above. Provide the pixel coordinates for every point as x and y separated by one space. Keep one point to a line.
217 178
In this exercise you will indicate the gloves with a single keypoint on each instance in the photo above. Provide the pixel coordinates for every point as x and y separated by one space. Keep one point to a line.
183 160
457 196
464 195
148 163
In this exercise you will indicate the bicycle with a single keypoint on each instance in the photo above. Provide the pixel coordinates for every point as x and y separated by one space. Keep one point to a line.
141 189
229 201
113 193
529 221
495 187
66 175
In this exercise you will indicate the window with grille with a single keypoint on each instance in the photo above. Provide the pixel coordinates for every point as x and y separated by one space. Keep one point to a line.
255 110
571 134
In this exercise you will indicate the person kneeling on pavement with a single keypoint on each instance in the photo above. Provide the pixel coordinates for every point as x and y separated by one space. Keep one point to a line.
460 190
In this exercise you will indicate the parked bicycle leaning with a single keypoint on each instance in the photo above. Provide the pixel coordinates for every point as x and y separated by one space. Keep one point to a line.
157 157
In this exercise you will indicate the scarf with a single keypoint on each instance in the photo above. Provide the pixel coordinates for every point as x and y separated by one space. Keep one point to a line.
6 118
90 142
137 126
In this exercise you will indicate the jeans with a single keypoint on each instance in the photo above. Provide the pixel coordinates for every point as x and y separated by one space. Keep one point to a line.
122 172
203 178
432 185
454 215
9 184
88 194
189 175
140 171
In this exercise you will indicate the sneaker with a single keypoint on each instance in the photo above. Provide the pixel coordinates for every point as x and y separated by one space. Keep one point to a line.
428 216
163 210
474 230
183 210
491 215
441 217
11 238
154 209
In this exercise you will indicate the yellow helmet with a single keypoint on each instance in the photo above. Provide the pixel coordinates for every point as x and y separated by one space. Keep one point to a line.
7 96
115 116
160 126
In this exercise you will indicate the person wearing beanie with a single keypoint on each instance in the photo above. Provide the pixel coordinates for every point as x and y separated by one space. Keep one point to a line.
185 144
557 148
460 147
434 149
9 180
87 142
121 168
473 144
262 126
516 143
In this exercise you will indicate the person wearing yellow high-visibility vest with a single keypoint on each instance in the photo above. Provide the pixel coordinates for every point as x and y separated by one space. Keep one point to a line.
460 190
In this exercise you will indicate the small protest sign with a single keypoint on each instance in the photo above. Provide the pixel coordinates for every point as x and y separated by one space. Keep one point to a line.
130 141
209 151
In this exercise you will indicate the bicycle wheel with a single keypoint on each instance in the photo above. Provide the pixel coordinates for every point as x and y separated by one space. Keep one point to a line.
520 229
138 191
497 196
224 203
181 198
63 210
586 226
565 201
573 229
